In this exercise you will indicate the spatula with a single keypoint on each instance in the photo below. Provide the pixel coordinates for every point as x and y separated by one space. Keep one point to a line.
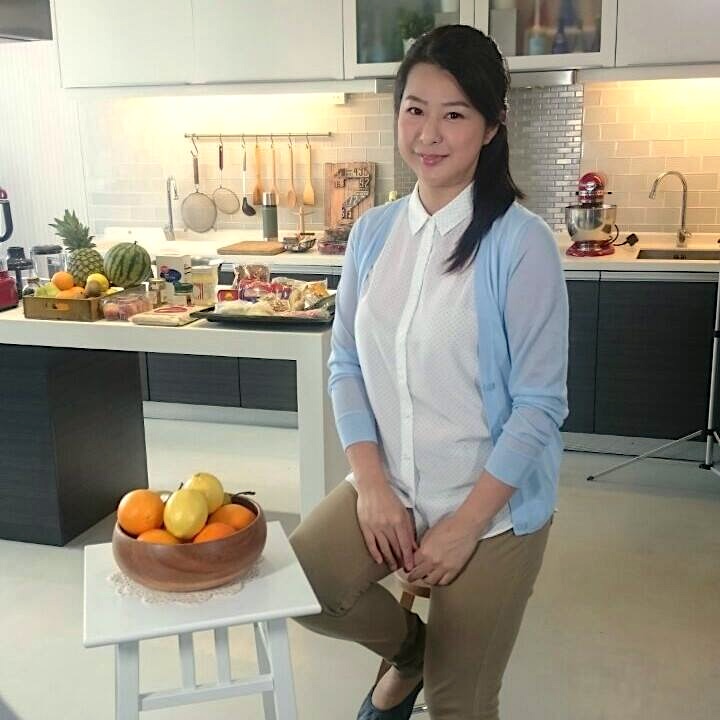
308 191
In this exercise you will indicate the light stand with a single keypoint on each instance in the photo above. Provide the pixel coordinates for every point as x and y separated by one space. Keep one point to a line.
710 433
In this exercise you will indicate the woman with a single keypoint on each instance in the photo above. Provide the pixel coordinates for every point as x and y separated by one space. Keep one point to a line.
447 376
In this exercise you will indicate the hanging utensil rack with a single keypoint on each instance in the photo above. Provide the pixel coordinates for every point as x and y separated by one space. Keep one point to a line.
251 135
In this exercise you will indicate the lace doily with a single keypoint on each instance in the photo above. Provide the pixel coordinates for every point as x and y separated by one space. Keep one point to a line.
126 586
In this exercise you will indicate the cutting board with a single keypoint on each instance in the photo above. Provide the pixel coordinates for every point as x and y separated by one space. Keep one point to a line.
349 191
253 247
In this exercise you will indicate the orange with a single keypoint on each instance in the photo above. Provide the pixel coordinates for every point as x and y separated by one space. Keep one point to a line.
162 537
140 510
72 294
62 280
214 531
236 515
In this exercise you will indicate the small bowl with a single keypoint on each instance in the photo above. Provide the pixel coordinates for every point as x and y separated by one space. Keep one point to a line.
192 566
299 244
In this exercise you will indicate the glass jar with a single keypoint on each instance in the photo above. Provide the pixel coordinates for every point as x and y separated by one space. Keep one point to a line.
183 294
204 284
157 288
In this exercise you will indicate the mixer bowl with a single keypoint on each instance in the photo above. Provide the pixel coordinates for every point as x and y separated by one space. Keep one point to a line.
590 223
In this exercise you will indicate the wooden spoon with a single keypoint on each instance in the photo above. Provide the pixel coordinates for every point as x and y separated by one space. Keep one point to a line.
308 191
292 195
257 190
274 187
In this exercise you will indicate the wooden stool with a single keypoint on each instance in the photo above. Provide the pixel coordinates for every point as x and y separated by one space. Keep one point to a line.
409 592
279 591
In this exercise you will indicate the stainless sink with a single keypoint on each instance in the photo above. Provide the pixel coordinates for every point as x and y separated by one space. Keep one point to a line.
678 255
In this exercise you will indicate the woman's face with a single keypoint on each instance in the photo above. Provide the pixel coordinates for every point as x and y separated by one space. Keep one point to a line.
440 133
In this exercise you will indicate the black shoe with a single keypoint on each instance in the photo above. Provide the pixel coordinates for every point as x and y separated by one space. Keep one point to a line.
402 711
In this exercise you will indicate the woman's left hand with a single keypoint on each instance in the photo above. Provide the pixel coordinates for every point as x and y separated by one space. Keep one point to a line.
444 551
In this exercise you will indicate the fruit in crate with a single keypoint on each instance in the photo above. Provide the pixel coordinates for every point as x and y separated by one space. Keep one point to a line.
186 512
83 260
48 290
158 536
127 264
100 279
73 293
63 280
210 487
92 289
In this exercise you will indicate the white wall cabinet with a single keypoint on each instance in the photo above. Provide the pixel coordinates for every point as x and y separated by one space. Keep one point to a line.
134 42
668 32
267 41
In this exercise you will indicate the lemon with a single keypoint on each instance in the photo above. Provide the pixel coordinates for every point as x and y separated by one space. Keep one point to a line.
210 487
185 514
100 279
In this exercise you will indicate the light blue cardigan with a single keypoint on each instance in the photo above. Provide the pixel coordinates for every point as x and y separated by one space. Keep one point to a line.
522 312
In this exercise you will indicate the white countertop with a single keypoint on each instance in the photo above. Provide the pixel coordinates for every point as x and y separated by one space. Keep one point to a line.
198 338
205 245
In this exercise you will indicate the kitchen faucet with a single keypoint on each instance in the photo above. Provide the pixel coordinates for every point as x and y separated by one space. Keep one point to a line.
170 187
683 233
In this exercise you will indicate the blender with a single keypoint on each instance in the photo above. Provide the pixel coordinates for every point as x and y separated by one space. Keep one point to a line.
8 286
591 221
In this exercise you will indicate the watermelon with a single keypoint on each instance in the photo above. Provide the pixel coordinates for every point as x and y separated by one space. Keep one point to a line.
127 264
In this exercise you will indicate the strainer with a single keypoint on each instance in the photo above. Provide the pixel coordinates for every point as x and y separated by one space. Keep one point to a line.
198 209
225 199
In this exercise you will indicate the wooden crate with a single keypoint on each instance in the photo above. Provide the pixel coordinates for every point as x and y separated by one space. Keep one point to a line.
81 309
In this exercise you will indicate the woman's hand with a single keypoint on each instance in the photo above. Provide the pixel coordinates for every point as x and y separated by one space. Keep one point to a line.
386 525
444 551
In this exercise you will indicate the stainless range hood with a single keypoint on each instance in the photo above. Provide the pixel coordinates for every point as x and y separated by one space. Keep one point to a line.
25 20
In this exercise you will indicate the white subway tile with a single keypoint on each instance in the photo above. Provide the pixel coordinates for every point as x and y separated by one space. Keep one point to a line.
354 123
665 148
616 131
633 148
702 181
647 165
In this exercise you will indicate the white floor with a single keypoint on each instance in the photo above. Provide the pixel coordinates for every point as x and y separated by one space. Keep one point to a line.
624 623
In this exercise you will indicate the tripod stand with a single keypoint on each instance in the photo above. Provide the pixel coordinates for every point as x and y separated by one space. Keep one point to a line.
710 432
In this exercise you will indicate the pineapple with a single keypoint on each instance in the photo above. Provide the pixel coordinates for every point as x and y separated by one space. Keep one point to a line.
83 259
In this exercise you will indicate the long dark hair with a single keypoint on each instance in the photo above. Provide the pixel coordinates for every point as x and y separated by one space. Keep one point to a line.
474 60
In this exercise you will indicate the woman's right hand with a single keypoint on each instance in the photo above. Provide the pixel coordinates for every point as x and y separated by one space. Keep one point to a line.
386 524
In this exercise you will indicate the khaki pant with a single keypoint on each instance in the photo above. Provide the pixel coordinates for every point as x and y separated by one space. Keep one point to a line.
472 623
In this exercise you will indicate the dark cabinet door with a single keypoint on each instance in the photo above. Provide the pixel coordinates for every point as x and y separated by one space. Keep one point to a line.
142 359
583 297
654 354
268 384
193 379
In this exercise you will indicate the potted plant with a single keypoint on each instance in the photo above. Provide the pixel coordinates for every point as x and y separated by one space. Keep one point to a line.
412 25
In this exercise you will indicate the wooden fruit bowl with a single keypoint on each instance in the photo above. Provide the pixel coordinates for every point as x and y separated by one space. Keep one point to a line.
192 566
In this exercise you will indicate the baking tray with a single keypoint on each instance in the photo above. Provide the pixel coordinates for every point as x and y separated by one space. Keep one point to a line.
210 315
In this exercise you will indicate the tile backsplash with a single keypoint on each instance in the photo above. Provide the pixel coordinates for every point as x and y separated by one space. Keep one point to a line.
108 157
130 146
633 131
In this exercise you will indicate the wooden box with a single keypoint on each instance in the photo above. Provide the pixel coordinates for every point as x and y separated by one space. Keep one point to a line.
81 309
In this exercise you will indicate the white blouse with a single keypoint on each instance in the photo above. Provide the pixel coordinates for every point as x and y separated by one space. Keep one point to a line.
416 330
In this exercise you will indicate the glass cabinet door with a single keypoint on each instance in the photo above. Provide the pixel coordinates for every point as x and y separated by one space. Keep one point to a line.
379 32
552 34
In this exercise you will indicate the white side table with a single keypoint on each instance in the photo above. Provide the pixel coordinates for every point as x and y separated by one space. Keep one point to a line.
280 591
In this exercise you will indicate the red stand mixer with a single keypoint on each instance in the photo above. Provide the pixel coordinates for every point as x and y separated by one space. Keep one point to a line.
8 287
591 222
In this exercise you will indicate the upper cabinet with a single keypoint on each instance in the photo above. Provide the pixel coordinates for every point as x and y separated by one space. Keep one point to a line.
667 32
272 40
135 42
378 32
551 34
168 42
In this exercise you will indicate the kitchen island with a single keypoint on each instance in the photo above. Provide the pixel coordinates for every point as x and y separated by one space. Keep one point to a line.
75 392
